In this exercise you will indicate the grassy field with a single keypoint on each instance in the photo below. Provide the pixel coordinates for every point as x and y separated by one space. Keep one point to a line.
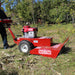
13 62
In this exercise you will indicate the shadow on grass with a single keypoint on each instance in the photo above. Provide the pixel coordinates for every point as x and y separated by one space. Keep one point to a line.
12 45
65 50
8 73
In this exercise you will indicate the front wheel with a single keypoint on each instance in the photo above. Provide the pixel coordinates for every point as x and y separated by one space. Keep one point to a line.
25 46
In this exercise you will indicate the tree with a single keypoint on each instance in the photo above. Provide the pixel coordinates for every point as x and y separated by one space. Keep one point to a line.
24 10
51 11
72 10
58 11
32 4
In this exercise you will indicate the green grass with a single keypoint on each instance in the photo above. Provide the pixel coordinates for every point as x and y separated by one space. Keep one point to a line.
16 63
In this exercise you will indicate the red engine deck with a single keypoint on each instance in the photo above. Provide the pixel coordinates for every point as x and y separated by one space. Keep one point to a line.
39 41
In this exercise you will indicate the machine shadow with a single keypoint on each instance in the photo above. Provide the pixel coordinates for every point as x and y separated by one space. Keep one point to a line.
11 46
64 49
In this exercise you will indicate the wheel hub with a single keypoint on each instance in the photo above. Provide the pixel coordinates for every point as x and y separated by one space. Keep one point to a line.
24 48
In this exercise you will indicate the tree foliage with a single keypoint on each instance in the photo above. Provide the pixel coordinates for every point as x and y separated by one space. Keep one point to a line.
51 11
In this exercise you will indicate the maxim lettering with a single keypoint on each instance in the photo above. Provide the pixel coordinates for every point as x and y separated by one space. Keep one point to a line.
47 52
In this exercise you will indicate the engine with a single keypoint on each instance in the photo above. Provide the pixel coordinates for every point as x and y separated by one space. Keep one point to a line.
29 32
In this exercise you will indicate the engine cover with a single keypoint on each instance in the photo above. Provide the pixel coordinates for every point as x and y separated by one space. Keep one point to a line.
29 32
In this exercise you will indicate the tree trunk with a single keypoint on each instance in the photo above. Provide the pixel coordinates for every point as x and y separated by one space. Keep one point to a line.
73 18
33 12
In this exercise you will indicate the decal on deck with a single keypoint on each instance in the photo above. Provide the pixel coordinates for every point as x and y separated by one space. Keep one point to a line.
35 41
47 52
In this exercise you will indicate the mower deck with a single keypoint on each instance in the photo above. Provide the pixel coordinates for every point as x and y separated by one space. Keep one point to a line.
49 51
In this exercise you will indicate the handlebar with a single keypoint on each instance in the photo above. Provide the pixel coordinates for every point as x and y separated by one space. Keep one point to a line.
6 20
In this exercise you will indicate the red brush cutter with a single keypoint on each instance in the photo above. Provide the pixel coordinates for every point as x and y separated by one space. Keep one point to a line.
32 44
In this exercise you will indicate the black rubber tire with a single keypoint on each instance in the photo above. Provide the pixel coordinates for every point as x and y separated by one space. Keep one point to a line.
25 46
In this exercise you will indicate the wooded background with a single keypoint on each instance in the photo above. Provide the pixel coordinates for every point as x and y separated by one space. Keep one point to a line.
50 11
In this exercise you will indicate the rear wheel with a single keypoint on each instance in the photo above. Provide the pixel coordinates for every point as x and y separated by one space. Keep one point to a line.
25 46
